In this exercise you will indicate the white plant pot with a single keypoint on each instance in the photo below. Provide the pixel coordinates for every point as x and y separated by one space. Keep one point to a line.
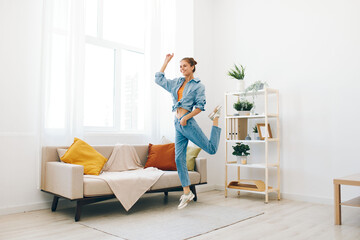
240 85
241 159
256 136
244 113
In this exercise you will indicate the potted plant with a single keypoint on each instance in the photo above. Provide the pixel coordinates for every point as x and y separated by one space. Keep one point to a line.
239 74
243 107
240 150
256 133
255 87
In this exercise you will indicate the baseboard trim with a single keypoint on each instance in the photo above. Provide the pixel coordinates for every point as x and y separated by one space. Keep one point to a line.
205 188
64 203
304 198
290 196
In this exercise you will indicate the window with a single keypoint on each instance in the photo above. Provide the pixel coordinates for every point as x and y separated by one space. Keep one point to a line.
112 35
99 86
114 65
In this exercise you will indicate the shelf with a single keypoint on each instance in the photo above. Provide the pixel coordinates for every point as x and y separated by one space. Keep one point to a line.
249 191
250 93
252 165
253 141
355 202
238 128
252 116
249 185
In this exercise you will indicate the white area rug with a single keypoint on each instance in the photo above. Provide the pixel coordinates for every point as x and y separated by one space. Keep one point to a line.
156 217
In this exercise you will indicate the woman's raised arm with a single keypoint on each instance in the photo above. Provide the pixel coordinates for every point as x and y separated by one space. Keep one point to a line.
167 60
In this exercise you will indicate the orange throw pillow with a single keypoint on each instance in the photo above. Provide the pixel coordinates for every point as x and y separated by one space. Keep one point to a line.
161 157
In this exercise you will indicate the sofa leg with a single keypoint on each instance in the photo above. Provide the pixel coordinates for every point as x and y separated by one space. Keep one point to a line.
166 193
193 189
54 203
78 211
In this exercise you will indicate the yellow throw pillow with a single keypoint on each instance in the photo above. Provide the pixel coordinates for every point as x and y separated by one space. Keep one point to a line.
81 153
191 154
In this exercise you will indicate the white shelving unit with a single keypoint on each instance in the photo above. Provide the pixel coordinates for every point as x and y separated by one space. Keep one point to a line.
274 162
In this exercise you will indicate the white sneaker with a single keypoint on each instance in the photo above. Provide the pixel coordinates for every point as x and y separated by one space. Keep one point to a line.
185 199
215 113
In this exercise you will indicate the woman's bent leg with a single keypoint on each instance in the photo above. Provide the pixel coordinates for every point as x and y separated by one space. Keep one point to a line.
194 133
181 143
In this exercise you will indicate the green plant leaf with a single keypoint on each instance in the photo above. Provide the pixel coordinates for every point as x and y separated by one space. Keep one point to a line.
237 73
241 149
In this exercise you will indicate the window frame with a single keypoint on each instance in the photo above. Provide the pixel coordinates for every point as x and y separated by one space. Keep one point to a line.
99 41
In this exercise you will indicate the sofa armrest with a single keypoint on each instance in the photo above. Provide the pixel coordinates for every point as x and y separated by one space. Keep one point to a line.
64 179
201 167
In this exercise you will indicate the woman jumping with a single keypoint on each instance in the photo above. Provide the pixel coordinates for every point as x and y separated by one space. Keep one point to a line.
188 93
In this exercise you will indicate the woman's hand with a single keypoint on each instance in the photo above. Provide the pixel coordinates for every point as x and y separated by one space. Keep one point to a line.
168 58
183 121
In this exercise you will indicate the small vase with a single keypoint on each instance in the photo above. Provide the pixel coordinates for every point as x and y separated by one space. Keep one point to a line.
240 85
242 160
248 137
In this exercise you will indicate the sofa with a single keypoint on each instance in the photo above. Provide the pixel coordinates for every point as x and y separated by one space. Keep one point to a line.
68 181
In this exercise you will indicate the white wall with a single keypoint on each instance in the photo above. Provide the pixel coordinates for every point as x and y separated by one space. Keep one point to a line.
204 55
310 51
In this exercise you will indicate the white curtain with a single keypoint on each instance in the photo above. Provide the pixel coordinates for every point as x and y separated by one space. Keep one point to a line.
63 70
161 40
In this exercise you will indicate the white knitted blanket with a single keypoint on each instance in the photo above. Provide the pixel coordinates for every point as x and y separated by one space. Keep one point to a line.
126 177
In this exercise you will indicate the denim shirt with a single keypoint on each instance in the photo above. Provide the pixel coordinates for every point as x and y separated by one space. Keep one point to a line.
193 94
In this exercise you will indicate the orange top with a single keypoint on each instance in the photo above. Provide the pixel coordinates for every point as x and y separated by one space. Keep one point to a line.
180 92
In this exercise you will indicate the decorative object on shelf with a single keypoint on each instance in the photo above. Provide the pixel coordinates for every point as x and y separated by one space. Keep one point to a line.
256 133
257 185
254 88
243 107
248 137
263 132
237 128
240 150
238 74
242 160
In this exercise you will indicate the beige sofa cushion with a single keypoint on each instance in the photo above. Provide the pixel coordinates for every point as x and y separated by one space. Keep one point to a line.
98 187
171 179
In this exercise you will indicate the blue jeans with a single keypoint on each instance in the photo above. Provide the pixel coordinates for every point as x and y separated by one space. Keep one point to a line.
192 132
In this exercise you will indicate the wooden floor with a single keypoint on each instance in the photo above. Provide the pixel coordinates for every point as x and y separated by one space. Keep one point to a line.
283 219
